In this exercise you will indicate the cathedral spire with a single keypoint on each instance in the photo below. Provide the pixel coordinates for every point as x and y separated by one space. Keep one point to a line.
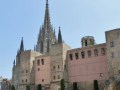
46 34
14 63
59 36
47 16
46 1
22 45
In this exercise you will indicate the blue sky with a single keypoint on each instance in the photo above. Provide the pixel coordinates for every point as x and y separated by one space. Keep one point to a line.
77 18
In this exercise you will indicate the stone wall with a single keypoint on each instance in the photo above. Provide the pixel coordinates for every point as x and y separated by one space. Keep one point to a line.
113 53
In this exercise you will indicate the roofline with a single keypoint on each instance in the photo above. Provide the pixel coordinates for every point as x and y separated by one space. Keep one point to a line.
102 44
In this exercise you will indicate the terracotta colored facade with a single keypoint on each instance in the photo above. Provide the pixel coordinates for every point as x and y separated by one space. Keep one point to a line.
42 70
53 60
88 67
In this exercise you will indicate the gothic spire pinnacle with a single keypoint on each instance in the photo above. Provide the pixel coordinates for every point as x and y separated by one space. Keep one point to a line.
47 16
14 63
22 45
46 1
59 36
46 34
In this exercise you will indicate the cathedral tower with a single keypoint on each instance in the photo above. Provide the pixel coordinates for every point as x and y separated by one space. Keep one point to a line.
46 35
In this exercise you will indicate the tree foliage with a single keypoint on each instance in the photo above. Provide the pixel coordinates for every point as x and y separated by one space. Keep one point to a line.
12 87
39 87
27 87
62 84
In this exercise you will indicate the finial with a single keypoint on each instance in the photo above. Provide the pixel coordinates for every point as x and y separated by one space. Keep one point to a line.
59 36
46 1
22 45
59 27
14 63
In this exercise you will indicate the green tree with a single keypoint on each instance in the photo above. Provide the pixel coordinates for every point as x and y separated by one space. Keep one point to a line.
39 87
62 84
12 87
96 87
75 86
27 87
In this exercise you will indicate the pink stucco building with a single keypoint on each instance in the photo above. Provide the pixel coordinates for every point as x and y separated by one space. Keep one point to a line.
53 60
42 70
88 63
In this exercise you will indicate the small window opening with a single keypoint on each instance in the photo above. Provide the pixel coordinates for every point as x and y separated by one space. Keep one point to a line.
85 42
70 56
96 52
42 61
83 54
103 51
38 62
76 55
89 53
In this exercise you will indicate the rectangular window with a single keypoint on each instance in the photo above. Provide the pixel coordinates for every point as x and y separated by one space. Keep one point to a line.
89 53
26 80
42 80
42 61
58 77
83 55
70 56
38 62
58 66
38 69
54 67
33 62
111 44
76 56
118 71
65 66
26 71
96 52
103 51
54 77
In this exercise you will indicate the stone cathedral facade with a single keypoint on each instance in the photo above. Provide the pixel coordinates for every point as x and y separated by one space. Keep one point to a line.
53 60
33 67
